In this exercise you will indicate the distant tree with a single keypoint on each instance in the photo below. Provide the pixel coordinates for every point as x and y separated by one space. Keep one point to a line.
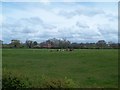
1 42
118 45
35 43
29 43
15 43
81 45
101 44
55 43
113 45
75 45
64 43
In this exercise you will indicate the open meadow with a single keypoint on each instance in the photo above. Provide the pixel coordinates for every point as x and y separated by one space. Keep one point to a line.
86 67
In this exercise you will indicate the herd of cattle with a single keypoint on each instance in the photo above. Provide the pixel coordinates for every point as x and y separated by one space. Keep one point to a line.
63 50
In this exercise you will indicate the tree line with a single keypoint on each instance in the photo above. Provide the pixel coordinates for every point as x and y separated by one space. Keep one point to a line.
60 44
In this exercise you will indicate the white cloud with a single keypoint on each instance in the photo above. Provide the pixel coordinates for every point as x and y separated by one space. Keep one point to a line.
83 24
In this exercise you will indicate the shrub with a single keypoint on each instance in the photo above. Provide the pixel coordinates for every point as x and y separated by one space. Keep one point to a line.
18 82
58 83
11 81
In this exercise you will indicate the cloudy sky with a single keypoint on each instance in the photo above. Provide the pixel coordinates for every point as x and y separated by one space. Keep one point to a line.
75 21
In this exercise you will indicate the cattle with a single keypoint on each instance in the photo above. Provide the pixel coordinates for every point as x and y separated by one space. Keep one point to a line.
68 49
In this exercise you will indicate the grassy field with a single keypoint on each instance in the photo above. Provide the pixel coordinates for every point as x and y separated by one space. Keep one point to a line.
86 67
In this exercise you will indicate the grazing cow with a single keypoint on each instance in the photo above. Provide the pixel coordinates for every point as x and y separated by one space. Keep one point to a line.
65 49
51 50
58 49
69 49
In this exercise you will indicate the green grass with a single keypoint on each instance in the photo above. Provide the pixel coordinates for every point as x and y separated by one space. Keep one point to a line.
86 67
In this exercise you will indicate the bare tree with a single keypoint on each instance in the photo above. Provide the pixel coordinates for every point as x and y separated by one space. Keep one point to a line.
29 43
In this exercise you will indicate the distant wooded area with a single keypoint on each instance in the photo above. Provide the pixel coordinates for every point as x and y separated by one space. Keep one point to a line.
60 44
